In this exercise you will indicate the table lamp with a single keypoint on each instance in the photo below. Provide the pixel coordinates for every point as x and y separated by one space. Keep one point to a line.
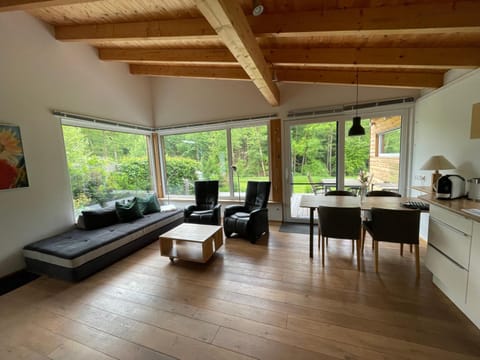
437 162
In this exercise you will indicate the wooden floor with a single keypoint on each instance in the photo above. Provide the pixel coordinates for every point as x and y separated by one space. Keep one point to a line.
265 301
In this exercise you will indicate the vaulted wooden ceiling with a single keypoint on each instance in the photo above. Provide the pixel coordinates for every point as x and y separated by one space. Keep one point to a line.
397 43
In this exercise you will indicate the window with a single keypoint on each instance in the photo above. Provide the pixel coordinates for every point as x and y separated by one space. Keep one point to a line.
106 165
210 154
195 156
389 143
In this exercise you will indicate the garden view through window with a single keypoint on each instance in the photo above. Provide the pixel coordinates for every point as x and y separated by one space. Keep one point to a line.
315 147
105 166
205 156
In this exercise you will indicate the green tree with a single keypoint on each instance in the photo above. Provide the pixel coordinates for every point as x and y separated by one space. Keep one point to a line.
180 172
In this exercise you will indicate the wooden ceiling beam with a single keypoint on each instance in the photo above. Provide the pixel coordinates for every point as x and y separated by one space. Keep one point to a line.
414 18
425 58
178 29
201 72
369 78
458 16
190 56
407 79
230 23
12 5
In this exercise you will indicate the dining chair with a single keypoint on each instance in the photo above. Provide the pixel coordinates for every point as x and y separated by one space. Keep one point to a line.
396 226
316 187
381 193
340 223
339 193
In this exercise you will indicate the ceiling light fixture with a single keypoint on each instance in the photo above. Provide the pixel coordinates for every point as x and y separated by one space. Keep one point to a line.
257 8
356 128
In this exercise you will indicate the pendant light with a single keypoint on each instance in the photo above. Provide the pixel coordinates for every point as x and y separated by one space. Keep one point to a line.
356 128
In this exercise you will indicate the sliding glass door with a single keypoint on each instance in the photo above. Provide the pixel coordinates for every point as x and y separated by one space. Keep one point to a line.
313 159
322 157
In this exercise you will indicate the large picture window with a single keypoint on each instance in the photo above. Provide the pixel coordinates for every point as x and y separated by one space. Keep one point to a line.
106 165
210 155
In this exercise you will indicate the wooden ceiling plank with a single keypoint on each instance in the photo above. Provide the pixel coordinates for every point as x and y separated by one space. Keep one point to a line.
230 23
428 18
233 73
13 5
368 78
425 58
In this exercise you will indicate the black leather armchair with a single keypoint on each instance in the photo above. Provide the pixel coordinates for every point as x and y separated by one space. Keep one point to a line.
207 210
251 219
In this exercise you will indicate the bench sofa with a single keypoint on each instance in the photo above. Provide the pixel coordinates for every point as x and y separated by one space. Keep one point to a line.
78 253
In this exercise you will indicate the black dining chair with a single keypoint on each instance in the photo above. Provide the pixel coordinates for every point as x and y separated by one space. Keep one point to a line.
206 210
340 223
339 193
381 193
396 226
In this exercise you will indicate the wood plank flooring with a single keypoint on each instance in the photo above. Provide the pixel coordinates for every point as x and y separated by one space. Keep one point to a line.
262 301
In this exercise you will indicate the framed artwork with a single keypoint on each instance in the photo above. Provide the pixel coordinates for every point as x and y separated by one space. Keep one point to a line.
13 172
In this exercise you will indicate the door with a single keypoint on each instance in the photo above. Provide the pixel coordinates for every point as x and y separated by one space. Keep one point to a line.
312 162
322 157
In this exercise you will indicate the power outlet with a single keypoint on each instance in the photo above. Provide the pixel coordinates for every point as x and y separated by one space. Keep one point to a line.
420 178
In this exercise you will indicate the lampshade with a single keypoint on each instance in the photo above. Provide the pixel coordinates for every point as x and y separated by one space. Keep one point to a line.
437 162
356 128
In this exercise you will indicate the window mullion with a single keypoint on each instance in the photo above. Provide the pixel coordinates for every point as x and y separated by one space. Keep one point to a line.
230 162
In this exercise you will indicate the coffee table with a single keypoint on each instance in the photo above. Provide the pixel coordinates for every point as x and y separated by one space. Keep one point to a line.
191 242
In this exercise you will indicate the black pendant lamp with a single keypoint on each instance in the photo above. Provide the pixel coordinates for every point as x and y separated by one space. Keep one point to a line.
356 128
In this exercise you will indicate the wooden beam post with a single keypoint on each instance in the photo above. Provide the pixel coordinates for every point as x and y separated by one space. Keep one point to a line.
230 23
276 159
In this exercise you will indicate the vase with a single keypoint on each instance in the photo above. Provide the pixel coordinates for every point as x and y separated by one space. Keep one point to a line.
363 192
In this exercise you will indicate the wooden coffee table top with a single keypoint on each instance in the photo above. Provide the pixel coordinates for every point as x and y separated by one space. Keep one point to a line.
191 232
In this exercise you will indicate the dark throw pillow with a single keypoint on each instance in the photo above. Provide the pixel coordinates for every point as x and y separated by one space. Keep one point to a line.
95 219
149 205
129 211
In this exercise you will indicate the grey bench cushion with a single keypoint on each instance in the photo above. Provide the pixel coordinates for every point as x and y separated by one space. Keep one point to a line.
76 248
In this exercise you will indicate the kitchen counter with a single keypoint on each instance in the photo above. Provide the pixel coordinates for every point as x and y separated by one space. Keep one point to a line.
455 205
453 251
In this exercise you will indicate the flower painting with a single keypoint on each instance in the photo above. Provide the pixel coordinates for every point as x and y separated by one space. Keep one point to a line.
13 173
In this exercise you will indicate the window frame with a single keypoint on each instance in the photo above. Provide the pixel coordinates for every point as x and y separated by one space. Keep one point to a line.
227 126
114 127
380 137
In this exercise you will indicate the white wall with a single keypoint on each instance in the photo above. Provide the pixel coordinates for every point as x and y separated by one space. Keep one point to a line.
442 126
37 74
186 101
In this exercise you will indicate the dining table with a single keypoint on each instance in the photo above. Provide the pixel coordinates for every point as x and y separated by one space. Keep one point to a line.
312 202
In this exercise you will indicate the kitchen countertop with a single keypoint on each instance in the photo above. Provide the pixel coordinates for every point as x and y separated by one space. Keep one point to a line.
455 205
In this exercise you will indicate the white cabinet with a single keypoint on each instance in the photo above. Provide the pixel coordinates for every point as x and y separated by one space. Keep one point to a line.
448 252
473 288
